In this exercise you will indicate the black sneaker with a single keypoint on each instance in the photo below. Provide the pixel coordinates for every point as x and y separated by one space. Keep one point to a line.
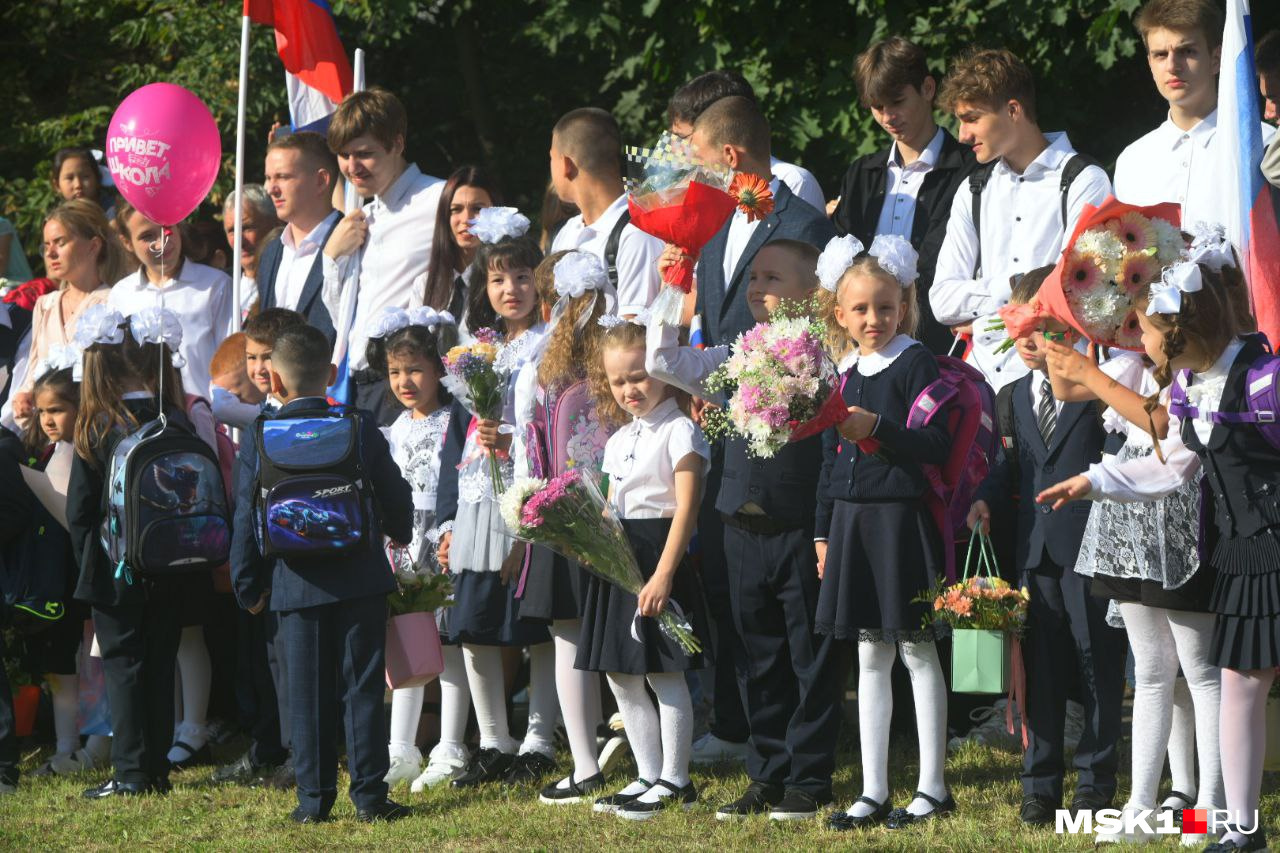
797 805
242 771
386 811
613 802
300 815
112 788
684 798
488 765
530 767
553 795
1038 811
758 799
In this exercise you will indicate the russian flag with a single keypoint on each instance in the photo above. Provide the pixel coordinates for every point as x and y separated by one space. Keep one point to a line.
1252 222
317 71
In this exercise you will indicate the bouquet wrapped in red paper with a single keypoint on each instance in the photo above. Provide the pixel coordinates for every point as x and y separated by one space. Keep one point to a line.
682 200
1116 251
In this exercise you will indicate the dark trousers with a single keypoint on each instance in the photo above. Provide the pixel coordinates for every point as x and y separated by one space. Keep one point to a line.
260 706
335 652
1066 631
139 643
728 719
790 677
8 734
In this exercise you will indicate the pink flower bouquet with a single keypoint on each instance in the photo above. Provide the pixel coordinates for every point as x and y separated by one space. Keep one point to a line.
569 515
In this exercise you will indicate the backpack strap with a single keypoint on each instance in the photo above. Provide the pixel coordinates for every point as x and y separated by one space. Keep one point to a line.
611 248
977 183
1077 164
1004 419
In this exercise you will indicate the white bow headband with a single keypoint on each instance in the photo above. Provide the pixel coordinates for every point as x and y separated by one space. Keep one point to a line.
159 326
577 274
1209 247
894 254
392 320
61 357
494 223
99 324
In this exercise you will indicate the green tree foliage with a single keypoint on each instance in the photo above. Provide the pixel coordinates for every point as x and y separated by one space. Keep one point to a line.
485 80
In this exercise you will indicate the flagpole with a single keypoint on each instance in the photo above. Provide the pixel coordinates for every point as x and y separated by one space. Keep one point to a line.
350 201
238 239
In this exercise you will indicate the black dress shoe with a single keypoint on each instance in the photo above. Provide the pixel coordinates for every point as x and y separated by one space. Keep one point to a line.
160 786
901 818
529 767
843 821
574 792
798 805
613 802
487 765
300 815
1038 811
1255 841
112 788
678 797
387 810
195 757
1089 800
757 799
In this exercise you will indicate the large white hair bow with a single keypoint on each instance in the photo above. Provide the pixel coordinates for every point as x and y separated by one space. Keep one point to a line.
158 326
493 223
896 256
1210 246
425 315
61 357
393 319
1166 294
836 259
99 324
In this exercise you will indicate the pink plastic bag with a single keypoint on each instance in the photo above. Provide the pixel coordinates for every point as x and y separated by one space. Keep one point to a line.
414 656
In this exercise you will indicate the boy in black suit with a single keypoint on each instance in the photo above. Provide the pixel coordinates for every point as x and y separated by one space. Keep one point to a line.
1066 625
333 610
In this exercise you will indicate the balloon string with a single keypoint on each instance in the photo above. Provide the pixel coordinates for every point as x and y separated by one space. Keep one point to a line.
164 234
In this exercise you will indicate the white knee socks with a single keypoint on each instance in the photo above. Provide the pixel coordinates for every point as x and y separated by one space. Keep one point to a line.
579 694
543 704
930 693
484 675
406 711
66 703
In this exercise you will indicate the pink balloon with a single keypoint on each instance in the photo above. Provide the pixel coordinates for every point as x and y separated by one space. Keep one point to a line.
164 151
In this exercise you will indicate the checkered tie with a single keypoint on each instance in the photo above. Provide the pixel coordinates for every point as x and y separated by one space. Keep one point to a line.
1046 412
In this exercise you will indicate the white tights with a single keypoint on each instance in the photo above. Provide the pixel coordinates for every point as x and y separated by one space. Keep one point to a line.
661 738
488 689
1242 734
540 734
579 701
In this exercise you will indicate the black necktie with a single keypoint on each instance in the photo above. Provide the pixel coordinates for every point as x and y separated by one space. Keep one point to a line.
1046 412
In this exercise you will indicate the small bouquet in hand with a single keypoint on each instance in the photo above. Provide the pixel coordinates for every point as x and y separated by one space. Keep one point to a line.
780 383
473 376
682 200
569 515
420 588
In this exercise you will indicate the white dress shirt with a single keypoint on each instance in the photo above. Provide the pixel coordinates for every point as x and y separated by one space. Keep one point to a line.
641 460
800 181
902 187
1038 378
1172 165
296 260
384 271
740 231
638 253
201 297
682 366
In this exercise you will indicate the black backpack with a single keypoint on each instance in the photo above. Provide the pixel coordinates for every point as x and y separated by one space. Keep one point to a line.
611 248
978 182
312 496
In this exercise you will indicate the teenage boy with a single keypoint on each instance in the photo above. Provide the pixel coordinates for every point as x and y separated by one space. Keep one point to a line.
1267 60
1019 208
332 608
789 677
1066 625
200 295
906 190
1176 161
376 256
586 170
300 171
704 90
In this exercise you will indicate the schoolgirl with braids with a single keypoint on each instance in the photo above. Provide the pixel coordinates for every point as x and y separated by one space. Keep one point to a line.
1204 348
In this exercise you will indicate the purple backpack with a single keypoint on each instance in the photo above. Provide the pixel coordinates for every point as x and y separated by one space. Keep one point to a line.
1262 402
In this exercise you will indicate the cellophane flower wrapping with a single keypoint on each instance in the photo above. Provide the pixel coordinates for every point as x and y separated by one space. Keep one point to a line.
780 383
569 515
420 586
472 376
677 197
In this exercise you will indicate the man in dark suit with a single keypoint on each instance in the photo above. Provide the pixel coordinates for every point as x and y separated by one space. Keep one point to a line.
1066 625
300 171
332 607
906 189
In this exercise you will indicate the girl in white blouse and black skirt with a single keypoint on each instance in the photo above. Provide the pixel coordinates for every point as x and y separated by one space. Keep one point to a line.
656 465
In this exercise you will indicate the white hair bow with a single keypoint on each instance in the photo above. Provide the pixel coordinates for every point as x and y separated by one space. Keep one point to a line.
1166 294
386 324
61 357
836 259
493 223
576 274
896 256
613 321
1210 246
99 324
159 326
425 315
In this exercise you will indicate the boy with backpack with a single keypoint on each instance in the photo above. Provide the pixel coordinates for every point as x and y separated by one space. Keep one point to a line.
1019 209
317 489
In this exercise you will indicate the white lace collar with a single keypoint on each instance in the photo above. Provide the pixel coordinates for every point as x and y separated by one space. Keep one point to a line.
1207 387
870 365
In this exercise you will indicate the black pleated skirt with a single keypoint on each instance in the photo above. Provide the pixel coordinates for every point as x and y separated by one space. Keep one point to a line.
555 588
1246 597
606 643
484 613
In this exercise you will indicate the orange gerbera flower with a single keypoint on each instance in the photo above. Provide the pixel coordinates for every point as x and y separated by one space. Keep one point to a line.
752 194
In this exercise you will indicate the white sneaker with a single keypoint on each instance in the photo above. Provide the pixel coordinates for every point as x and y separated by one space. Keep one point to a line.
1138 836
405 767
989 728
1073 727
710 749
612 754
68 764
441 769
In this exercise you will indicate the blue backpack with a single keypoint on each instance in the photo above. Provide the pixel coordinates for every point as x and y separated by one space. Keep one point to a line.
166 503
312 495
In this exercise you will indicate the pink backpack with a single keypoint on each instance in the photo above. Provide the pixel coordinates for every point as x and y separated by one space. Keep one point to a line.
565 432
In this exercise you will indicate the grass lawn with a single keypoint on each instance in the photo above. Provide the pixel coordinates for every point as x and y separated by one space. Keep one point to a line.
49 814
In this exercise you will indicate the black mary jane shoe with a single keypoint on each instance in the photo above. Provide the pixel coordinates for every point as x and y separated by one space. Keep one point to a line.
574 792
1184 802
611 803
901 818
488 765
685 797
1253 841
112 788
843 821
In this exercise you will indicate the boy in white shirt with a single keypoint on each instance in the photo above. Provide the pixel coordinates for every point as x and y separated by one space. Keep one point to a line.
1267 60
376 256
1175 162
1027 191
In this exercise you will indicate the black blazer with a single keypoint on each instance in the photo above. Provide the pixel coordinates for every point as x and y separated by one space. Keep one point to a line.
784 486
862 194
725 313
295 584
310 305
1077 443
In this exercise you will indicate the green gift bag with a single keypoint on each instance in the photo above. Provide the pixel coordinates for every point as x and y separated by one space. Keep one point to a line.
979 658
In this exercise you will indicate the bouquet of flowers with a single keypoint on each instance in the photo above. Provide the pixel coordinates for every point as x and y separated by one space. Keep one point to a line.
981 602
680 199
473 376
780 384
420 588
569 515
1115 253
